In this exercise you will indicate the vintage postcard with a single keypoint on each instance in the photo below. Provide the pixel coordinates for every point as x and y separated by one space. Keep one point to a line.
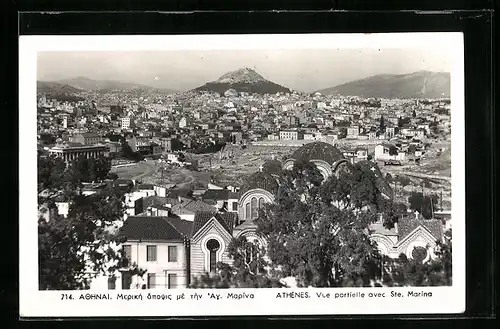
215 175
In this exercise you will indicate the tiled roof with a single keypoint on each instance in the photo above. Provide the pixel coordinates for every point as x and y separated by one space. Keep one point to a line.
407 224
216 195
259 180
150 228
318 151
226 219
178 193
191 206
183 226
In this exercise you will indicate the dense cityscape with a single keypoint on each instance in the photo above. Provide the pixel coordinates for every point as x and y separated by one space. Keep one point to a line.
202 188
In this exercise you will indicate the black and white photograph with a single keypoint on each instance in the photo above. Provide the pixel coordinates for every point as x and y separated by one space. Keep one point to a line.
321 166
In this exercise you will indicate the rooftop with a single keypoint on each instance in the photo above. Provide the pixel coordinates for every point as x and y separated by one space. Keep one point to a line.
227 220
154 228
318 151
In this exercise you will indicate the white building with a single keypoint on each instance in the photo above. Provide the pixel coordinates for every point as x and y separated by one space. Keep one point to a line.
291 135
382 153
127 123
183 122
160 252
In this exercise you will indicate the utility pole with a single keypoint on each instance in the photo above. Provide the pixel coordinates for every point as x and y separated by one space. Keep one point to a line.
432 209
423 199
161 180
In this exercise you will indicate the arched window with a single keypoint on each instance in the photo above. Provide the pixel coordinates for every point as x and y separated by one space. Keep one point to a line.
253 207
247 211
261 202
213 246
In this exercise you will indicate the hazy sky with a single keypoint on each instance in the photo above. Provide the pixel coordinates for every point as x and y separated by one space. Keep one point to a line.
304 70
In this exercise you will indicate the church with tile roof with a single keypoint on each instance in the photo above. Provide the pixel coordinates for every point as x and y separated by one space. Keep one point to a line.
174 248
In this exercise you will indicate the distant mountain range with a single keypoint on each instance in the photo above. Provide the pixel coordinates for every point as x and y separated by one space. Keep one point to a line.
413 85
86 84
46 87
243 80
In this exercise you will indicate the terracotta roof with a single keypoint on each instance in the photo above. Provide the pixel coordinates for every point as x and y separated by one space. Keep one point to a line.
226 219
183 226
216 195
191 206
259 180
318 151
151 228
407 224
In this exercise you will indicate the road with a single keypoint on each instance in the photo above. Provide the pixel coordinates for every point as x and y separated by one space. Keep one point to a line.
421 175
148 171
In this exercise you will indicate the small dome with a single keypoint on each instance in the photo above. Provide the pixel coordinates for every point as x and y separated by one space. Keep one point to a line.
272 167
318 151
259 180
230 93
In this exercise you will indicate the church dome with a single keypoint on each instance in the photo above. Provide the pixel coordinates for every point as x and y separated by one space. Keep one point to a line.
231 93
259 180
318 151
272 167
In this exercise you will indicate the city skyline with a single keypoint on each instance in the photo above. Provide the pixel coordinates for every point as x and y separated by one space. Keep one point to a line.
304 70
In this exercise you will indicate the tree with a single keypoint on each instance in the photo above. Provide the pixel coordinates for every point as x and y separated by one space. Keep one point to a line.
414 114
382 124
393 150
412 148
47 139
128 153
424 205
74 249
249 269
400 122
317 232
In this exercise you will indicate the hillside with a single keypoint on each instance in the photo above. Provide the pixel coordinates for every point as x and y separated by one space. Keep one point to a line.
45 87
243 80
61 92
90 84
423 84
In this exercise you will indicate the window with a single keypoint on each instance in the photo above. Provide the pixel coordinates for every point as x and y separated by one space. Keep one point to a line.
151 280
419 254
127 251
213 246
261 202
253 206
247 211
235 205
151 253
172 281
172 254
